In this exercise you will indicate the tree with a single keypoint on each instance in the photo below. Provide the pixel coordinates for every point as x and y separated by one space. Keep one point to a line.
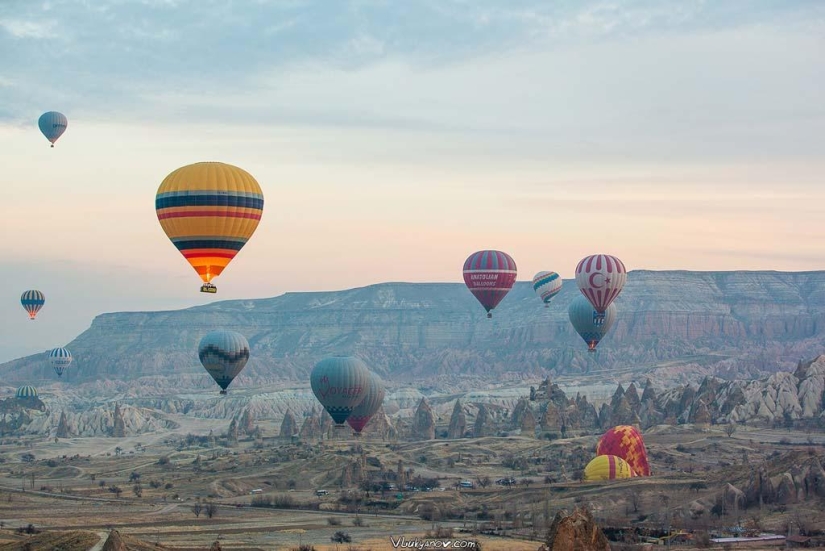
197 508
730 428
634 497
134 477
483 481
138 490
696 486
341 537
211 510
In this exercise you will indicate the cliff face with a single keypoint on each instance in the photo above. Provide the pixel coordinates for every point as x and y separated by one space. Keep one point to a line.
734 323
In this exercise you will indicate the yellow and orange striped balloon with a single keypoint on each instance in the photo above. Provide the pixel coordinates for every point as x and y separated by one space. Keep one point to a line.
209 211
626 442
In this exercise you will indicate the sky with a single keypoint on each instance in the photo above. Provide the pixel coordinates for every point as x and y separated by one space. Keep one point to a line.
393 139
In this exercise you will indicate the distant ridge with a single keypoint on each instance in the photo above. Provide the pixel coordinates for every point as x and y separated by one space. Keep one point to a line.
745 322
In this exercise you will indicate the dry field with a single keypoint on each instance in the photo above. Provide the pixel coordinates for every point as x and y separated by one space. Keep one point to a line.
74 501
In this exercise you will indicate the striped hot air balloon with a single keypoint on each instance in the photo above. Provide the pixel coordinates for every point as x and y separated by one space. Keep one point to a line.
25 392
209 211
340 383
489 275
363 412
32 301
224 355
547 285
607 467
60 358
582 317
600 278
626 442
52 124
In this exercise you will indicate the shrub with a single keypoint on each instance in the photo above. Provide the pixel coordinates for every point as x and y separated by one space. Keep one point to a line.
284 501
333 521
262 501
341 537
163 460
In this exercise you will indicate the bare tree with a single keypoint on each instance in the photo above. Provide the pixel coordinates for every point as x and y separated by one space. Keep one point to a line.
197 508
211 510
634 497
730 428
483 481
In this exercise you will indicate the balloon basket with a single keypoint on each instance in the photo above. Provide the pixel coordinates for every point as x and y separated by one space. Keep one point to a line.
52 146
223 393
489 315
208 288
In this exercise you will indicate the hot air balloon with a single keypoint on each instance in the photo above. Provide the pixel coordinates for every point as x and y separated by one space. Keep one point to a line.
547 285
209 211
340 383
600 278
223 354
489 275
363 412
52 124
32 301
607 467
582 317
626 442
60 358
26 392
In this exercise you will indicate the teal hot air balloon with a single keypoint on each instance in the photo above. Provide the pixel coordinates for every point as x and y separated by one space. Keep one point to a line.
60 358
224 355
52 124
363 412
340 383
32 301
26 392
582 317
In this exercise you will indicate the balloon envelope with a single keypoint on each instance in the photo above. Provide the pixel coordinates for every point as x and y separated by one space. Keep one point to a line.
209 211
489 275
582 317
26 391
52 124
626 442
547 285
340 384
60 358
363 412
32 301
600 278
223 354
607 467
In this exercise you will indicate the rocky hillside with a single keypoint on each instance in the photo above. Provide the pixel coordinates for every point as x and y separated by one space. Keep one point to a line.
724 323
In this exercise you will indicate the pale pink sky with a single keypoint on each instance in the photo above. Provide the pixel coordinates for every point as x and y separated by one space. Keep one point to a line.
686 148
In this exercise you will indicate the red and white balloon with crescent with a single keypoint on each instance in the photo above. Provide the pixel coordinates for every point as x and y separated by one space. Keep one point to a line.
600 278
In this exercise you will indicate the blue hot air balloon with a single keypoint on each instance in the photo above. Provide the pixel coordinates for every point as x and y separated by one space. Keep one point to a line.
582 318
32 300
53 124
223 354
60 358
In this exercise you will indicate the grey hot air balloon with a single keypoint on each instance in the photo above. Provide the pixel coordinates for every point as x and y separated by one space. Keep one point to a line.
582 317
52 124
340 384
372 401
60 358
223 354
